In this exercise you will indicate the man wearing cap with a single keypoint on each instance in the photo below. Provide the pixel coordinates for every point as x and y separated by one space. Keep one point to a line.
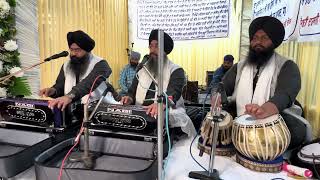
128 72
78 73
220 72
265 83
142 90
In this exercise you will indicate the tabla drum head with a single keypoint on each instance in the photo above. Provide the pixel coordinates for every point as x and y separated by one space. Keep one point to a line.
247 119
310 152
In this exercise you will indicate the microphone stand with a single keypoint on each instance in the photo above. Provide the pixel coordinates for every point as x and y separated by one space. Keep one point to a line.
211 174
86 157
159 84
7 77
4 79
160 103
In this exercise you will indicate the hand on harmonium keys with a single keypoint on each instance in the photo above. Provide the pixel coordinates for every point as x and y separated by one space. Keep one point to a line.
60 102
126 100
263 111
47 92
152 110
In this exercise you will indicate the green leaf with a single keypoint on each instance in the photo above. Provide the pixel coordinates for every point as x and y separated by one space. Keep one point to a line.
15 86
12 3
12 58
19 86
6 57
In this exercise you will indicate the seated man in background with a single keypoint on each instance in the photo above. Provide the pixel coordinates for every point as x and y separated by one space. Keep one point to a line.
265 83
128 72
142 90
78 73
220 72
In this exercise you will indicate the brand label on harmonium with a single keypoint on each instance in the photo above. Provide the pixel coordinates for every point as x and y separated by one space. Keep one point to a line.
20 104
126 111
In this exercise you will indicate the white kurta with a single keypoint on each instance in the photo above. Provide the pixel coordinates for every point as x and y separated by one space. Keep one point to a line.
177 116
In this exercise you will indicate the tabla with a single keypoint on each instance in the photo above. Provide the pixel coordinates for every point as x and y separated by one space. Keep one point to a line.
260 142
224 142
309 157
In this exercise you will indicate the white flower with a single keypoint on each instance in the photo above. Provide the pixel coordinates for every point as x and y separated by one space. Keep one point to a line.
1 66
3 92
14 70
4 8
10 45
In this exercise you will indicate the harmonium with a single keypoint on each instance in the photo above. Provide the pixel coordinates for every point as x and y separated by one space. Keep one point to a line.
122 141
30 113
28 127
117 120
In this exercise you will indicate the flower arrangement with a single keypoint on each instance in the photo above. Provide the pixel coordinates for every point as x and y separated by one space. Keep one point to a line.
12 82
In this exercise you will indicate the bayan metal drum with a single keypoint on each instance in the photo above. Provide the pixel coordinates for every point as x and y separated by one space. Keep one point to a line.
224 142
260 142
309 157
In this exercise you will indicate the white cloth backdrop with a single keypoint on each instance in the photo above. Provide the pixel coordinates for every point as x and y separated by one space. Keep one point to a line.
27 39
180 164
182 20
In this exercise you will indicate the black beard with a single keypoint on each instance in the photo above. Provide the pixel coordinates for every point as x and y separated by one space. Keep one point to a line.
152 65
225 69
260 58
78 66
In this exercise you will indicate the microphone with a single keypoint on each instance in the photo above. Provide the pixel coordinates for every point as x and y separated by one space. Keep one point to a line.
144 61
55 56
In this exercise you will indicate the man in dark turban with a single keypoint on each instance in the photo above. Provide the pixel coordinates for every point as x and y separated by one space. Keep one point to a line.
265 83
78 73
142 89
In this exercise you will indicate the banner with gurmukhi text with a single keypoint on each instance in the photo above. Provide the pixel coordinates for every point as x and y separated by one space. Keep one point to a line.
181 19
309 20
284 10
300 18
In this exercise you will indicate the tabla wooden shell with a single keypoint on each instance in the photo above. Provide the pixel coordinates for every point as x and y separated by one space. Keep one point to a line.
224 136
262 139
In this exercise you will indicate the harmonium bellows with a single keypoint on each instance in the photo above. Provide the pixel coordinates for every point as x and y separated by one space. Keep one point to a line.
122 118
33 112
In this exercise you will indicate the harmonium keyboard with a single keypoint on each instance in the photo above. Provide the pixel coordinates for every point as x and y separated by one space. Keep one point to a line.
29 113
129 120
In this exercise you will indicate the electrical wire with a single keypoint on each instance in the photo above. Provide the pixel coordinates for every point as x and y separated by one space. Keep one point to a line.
166 124
77 139
168 135
202 117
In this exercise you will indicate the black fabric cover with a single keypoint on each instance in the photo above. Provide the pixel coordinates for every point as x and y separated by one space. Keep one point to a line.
128 165
19 148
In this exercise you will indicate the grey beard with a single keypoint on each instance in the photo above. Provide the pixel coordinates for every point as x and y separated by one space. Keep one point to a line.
152 65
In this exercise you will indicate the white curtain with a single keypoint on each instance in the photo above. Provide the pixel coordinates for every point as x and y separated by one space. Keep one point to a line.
27 39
